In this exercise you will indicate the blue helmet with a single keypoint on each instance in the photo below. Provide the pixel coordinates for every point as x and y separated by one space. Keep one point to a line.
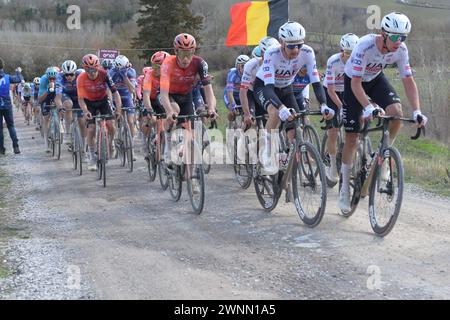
256 53
51 72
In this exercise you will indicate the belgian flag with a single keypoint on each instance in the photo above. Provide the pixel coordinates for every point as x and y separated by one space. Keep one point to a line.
253 20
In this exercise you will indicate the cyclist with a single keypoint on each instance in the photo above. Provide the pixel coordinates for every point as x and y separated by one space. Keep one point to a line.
334 89
36 108
6 109
26 96
250 105
231 92
178 75
273 84
364 77
124 78
47 94
92 87
67 98
300 86
107 64
151 90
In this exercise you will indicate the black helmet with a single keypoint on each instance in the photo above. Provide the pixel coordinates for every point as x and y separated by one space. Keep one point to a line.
107 64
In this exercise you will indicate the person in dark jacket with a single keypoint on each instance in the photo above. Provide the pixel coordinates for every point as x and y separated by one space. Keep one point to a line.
6 110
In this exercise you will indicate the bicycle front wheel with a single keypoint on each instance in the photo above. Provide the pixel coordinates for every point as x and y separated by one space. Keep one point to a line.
151 156
196 187
162 167
175 186
129 148
206 151
242 171
309 185
386 193
266 191
57 138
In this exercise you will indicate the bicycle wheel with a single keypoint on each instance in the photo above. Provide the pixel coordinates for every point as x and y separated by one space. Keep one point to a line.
267 191
206 151
129 148
57 139
356 183
78 149
151 155
242 171
310 135
196 187
104 154
175 186
162 168
309 190
386 193
121 144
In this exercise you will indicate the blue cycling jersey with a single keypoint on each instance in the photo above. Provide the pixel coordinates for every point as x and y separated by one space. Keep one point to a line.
43 87
233 83
300 83
67 87
117 75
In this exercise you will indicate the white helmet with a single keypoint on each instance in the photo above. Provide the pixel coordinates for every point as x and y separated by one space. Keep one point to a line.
121 61
349 41
242 59
37 81
396 22
267 42
292 32
69 66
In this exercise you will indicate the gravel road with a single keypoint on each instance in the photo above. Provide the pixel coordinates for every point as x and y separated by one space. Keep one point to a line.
74 239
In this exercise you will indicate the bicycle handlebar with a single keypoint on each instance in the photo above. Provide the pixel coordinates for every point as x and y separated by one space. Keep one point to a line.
420 131
192 116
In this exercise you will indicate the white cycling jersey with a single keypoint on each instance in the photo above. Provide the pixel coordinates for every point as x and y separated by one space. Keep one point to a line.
279 71
368 62
249 75
335 73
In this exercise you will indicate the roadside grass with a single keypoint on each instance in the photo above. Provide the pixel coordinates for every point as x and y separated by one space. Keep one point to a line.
425 163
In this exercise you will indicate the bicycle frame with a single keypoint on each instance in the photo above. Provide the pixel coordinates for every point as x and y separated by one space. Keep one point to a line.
383 145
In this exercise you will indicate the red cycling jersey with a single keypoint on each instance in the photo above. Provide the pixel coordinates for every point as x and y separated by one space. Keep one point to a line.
176 80
94 90
151 83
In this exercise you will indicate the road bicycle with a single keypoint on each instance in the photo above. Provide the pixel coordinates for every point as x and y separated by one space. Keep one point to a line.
155 149
301 175
379 176
124 141
102 140
55 131
188 165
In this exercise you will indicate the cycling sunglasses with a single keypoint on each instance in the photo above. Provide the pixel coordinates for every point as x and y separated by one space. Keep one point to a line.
396 37
293 46
185 54
91 70
69 74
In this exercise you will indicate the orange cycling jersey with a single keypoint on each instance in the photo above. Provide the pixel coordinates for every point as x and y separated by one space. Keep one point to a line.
151 83
94 90
176 80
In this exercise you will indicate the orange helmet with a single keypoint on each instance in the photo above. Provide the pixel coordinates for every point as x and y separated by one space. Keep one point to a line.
91 61
184 41
159 57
